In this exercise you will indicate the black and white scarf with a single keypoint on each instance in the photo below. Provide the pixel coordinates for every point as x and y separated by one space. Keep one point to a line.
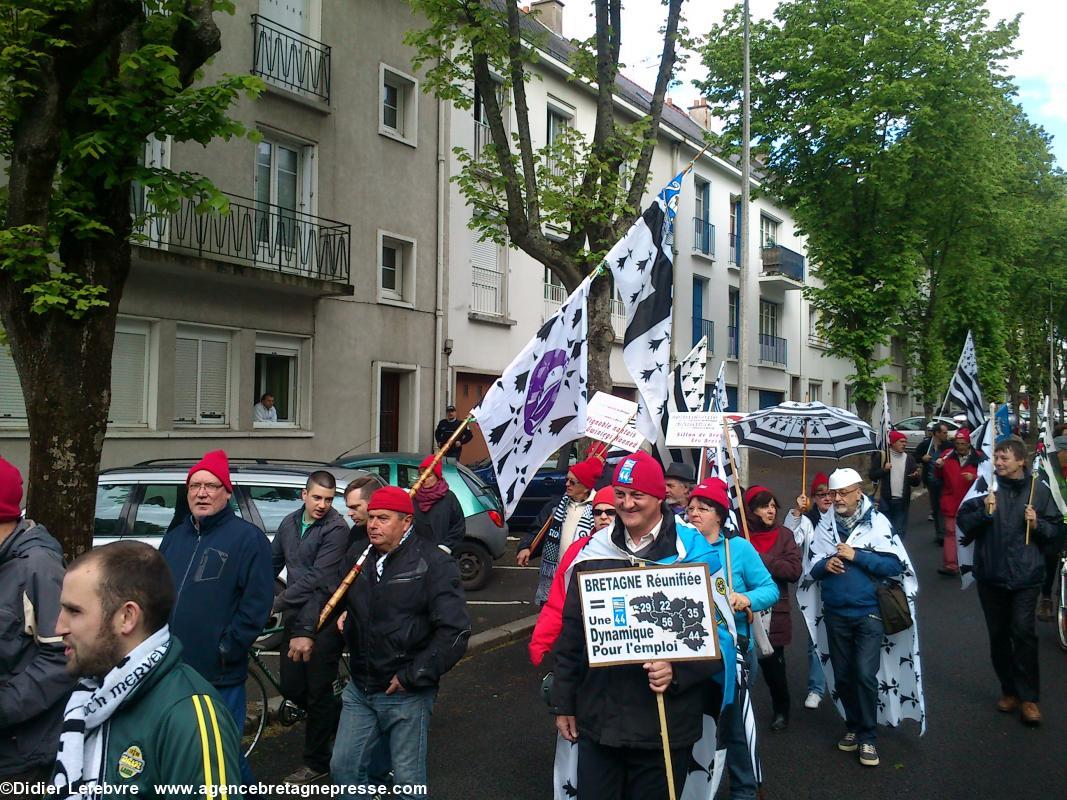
550 548
83 739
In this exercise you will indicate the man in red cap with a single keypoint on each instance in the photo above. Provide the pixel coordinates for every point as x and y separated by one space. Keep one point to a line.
438 514
572 519
895 473
954 473
224 584
35 683
406 625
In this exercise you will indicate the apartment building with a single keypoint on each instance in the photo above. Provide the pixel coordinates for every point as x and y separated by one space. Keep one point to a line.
320 283
499 296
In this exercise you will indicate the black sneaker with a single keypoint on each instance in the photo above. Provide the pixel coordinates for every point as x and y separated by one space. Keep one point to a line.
848 743
305 775
868 755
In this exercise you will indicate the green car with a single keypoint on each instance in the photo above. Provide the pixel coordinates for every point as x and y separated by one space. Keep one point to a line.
487 533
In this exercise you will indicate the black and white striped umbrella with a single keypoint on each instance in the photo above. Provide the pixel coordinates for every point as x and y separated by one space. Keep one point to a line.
793 430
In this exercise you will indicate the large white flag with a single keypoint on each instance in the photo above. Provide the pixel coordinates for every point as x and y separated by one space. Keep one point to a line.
539 403
643 268
1046 462
980 487
685 393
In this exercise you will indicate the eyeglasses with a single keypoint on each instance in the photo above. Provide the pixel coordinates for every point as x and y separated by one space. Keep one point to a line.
572 482
207 487
822 494
603 512
843 492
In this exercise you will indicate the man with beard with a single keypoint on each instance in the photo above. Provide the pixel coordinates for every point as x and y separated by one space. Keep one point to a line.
139 717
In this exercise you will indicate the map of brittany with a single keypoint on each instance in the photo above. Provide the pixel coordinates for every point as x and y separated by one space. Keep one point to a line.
682 617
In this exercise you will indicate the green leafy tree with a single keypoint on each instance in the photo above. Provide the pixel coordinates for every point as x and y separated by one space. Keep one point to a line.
83 84
847 100
588 189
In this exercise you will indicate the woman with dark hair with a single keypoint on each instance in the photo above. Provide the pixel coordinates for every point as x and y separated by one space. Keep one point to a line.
781 556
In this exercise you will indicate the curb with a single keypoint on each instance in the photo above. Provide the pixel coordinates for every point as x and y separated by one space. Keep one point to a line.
502 634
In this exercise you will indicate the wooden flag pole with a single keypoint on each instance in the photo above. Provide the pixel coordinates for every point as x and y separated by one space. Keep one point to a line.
666 745
703 464
353 573
1033 484
737 485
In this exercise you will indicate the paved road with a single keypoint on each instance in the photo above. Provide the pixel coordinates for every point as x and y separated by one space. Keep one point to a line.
491 735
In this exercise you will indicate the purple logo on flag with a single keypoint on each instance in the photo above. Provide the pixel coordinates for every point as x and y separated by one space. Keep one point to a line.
545 384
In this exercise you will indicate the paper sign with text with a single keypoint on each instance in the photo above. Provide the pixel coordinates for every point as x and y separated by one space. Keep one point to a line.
609 419
697 429
648 614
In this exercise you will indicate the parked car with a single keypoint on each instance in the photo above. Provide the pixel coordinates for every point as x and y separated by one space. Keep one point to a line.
487 533
547 484
916 428
146 500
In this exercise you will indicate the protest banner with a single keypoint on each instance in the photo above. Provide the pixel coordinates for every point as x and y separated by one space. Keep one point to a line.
610 419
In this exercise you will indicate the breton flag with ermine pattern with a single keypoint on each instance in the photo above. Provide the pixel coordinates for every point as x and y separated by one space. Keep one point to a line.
686 394
966 391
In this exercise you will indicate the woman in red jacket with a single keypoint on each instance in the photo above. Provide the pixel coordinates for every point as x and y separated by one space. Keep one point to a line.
781 556
954 472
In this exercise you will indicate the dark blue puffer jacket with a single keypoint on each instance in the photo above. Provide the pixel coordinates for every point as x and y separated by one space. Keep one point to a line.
225 588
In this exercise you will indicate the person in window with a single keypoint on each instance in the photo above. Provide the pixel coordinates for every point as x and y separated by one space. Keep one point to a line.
438 514
265 410
446 427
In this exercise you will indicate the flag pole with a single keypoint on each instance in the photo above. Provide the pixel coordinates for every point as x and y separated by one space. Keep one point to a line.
1030 503
666 744
804 463
353 573
737 482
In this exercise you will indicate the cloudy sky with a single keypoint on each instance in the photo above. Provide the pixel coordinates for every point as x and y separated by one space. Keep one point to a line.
1040 70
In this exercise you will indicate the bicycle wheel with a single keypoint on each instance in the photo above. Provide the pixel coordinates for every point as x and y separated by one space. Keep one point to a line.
257 710
1061 603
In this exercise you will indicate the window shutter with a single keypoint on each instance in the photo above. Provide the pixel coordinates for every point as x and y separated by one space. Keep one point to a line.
484 255
214 380
12 406
185 379
128 369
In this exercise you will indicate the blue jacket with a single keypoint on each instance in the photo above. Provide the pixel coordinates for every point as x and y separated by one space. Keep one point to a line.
224 587
750 577
853 593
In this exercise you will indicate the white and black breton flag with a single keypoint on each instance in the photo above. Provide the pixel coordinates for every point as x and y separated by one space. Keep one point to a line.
964 389
539 403
980 487
642 266
685 393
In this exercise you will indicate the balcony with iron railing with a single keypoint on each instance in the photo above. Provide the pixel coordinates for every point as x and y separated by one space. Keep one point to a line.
782 266
704 328
555 295
248 232
291 60
703 237
772 349
731 342
487 292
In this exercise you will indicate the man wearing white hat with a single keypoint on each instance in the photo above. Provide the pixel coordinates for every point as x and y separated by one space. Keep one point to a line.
853 550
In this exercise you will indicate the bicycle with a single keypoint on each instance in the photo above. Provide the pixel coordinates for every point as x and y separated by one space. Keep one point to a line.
257 701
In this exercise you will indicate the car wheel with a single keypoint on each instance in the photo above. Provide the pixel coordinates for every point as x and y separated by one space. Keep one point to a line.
475 565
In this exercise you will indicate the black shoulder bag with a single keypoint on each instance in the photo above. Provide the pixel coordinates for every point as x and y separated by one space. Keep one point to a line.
892 605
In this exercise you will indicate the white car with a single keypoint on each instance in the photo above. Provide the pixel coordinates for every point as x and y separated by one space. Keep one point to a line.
916 428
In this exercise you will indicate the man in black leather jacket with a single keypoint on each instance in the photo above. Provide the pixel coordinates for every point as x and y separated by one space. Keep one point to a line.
406 625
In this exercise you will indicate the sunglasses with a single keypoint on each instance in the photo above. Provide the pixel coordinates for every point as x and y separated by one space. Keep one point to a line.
603 512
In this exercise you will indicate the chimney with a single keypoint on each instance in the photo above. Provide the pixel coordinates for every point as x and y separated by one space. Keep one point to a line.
700 113
549 13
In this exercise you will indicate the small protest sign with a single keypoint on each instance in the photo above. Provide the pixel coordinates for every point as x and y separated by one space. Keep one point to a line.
610 419
698 429
648 614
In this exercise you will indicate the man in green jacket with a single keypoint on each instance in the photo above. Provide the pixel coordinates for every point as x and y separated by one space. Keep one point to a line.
139 716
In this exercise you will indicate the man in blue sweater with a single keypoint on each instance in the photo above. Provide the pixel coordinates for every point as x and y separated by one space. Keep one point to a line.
848 570
224 585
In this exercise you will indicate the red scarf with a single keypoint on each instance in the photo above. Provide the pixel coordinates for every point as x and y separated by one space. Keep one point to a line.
763 541
425 498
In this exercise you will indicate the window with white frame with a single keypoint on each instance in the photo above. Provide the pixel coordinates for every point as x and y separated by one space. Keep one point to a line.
12 404
488 276
398 105
558 121
768 231
814 391
816 336
768 318
277 373
396 268
129 374
283 188
702 233
201 376
482 135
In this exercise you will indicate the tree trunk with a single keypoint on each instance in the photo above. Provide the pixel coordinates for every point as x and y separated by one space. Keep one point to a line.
601 336
865 410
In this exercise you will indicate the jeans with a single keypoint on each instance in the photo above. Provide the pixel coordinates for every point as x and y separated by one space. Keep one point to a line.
1009 616
402 716
816 677
897 510
234 698
855 653
309 684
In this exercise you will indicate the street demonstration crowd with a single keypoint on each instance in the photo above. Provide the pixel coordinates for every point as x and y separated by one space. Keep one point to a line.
127 667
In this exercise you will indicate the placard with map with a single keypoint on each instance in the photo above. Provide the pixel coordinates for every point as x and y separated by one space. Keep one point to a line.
642 614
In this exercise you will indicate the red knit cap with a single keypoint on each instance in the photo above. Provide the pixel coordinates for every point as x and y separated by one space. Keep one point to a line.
642 473
391 498
752 492
217 464
896 436
438 470
588 471
820 479
964 433
605 495
10 491
712 489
